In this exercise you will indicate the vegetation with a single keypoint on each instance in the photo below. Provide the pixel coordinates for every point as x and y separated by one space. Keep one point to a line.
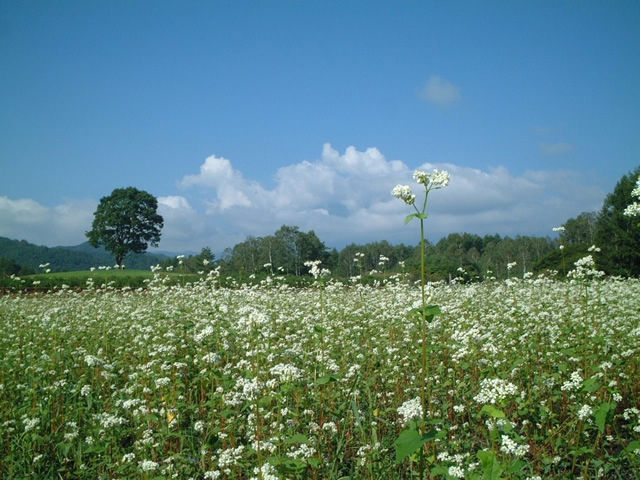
126 221
528 378
522 378
81 257
619 232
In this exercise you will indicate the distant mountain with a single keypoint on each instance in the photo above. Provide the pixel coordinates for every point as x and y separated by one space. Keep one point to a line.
78 257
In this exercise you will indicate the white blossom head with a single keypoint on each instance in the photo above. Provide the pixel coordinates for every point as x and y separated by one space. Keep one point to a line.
433 180
404 193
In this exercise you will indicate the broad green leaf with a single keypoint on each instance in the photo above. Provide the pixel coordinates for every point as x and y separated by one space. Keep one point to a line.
491 467
431 310
493 411
591 385
407 443
325 379
602 413
410 217
634 445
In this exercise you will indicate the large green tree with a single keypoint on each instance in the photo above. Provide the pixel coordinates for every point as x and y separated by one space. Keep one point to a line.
127 221
618 235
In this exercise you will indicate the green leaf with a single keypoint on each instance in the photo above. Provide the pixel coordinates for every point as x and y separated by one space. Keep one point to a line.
297 438
491 467
431 310
493 411
634 445
602 414
407 443
409 218
590 385
326 379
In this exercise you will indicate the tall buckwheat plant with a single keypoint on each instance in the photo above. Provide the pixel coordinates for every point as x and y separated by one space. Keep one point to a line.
415 436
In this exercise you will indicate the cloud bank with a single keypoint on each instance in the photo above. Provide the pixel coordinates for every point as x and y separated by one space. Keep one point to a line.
64 224
343 196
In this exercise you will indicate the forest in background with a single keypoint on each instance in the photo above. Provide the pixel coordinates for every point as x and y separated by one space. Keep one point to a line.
465 256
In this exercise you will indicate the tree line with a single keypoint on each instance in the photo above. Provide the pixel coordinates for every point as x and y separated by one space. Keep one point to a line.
464 256
127 221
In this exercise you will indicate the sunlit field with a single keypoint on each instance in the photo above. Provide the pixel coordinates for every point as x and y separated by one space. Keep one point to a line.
528 378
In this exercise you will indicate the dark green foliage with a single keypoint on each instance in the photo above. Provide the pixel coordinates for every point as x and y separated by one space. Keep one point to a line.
11 267
619 235
285 251
126 221
203 262
562 261
580 230
80 257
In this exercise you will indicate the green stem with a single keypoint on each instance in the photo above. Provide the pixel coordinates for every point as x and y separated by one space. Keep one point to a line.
423 328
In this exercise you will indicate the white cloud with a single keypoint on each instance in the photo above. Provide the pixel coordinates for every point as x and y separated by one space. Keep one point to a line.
343 196
440 92
217 172
64 224
559 148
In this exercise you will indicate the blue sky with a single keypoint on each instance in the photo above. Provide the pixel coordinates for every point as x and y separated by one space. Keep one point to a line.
243 116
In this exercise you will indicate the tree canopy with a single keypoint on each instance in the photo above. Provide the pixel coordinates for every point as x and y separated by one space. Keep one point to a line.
127 221
618 234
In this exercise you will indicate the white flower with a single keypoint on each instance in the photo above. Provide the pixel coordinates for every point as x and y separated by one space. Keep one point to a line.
511 447
584 412
456 471
410 409
128 457
633 210
436 179
148 465
404 193
493 390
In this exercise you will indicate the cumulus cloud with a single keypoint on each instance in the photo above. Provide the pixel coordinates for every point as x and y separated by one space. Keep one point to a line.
64 224
440 91
559 148
345 197
217 172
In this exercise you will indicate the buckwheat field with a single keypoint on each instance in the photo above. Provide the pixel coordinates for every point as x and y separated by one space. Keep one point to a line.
526 378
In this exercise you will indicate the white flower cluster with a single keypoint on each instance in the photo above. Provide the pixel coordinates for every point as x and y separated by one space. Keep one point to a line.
148 465
230 457
633 210
285 372
409 410
30 423
512 447
436 179
585 268
265 472
493 390
585 412
315 270
404 193
574 383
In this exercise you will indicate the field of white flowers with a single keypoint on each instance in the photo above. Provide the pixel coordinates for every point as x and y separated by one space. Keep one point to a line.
528 378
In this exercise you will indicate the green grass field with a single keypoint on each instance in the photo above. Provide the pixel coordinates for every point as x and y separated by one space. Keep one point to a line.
527 379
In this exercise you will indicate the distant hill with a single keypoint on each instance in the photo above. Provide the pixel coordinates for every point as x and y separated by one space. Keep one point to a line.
78 257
